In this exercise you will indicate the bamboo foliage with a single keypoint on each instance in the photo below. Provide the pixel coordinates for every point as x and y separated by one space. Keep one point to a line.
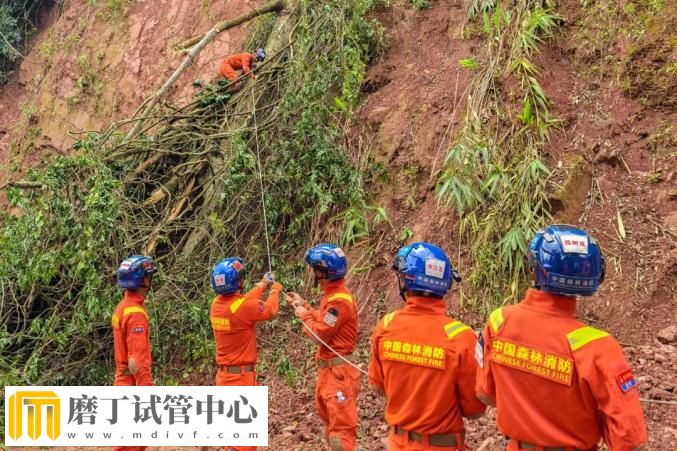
494 176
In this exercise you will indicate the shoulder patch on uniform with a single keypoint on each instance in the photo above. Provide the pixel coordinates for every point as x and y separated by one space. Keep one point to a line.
496 319
130 310
237 303
344 296
387 319
330 317
138 329
454 328
584 335
626 381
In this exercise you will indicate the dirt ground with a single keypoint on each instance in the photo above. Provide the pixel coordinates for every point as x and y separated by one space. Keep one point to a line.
615 152
91 64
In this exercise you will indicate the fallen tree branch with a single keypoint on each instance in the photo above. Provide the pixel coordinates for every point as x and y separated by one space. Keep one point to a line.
274 6
200 44
23 185
658 401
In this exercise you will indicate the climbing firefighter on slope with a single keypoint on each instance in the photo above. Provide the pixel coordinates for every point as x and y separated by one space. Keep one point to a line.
335 323
558 384
233 318
244 62
131 335
422 360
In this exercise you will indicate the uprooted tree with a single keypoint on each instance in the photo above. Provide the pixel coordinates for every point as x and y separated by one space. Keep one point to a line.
185 189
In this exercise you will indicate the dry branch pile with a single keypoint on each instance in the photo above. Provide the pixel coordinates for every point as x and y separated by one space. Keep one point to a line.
185 190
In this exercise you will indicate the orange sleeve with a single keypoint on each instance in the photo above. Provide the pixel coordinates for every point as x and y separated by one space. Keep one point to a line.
257 291
246 63
602 365
258 311
327 320
484 383
312 310
467 374
138 346
375 367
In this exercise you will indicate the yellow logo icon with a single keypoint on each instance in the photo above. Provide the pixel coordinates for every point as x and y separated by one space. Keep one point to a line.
35 402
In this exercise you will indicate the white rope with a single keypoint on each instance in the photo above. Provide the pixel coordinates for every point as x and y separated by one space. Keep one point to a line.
312 332
263 197
265 225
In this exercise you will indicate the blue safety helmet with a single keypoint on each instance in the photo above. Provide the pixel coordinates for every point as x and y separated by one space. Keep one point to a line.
260 54
566 260
227 274
328 258
425 268
133 270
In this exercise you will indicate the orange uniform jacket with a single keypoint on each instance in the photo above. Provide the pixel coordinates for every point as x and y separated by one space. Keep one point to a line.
424 362
335 322
233 318
241 61
131 338
557 382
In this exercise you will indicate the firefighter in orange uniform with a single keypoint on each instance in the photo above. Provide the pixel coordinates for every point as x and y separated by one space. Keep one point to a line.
558 384
233 317
335 323
422 360
241 61
131 335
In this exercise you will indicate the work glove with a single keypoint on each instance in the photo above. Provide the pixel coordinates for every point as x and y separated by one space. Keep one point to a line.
269 277
277 286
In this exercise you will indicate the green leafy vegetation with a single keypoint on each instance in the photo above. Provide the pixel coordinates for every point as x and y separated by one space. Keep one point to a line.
16 23
468 63
494 175
187 191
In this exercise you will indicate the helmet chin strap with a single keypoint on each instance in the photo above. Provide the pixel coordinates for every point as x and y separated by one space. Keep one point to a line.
317 280
403 288
150 282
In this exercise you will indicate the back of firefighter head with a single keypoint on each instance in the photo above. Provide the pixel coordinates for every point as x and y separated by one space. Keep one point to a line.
228 276
566 260
136 273
328 262
424 269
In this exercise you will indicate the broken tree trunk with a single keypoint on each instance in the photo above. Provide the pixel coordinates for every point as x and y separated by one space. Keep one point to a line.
276 5
251 98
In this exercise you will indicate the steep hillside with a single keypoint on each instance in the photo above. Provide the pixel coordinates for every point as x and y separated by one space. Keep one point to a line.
602 128
95 61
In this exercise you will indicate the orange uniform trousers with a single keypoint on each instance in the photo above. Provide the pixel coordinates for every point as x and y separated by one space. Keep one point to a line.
128 381
225 379
513 446
402 442
336 403
228 71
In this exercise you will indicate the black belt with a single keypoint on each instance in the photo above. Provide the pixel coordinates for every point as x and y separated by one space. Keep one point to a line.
239 369
433 439
336 361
